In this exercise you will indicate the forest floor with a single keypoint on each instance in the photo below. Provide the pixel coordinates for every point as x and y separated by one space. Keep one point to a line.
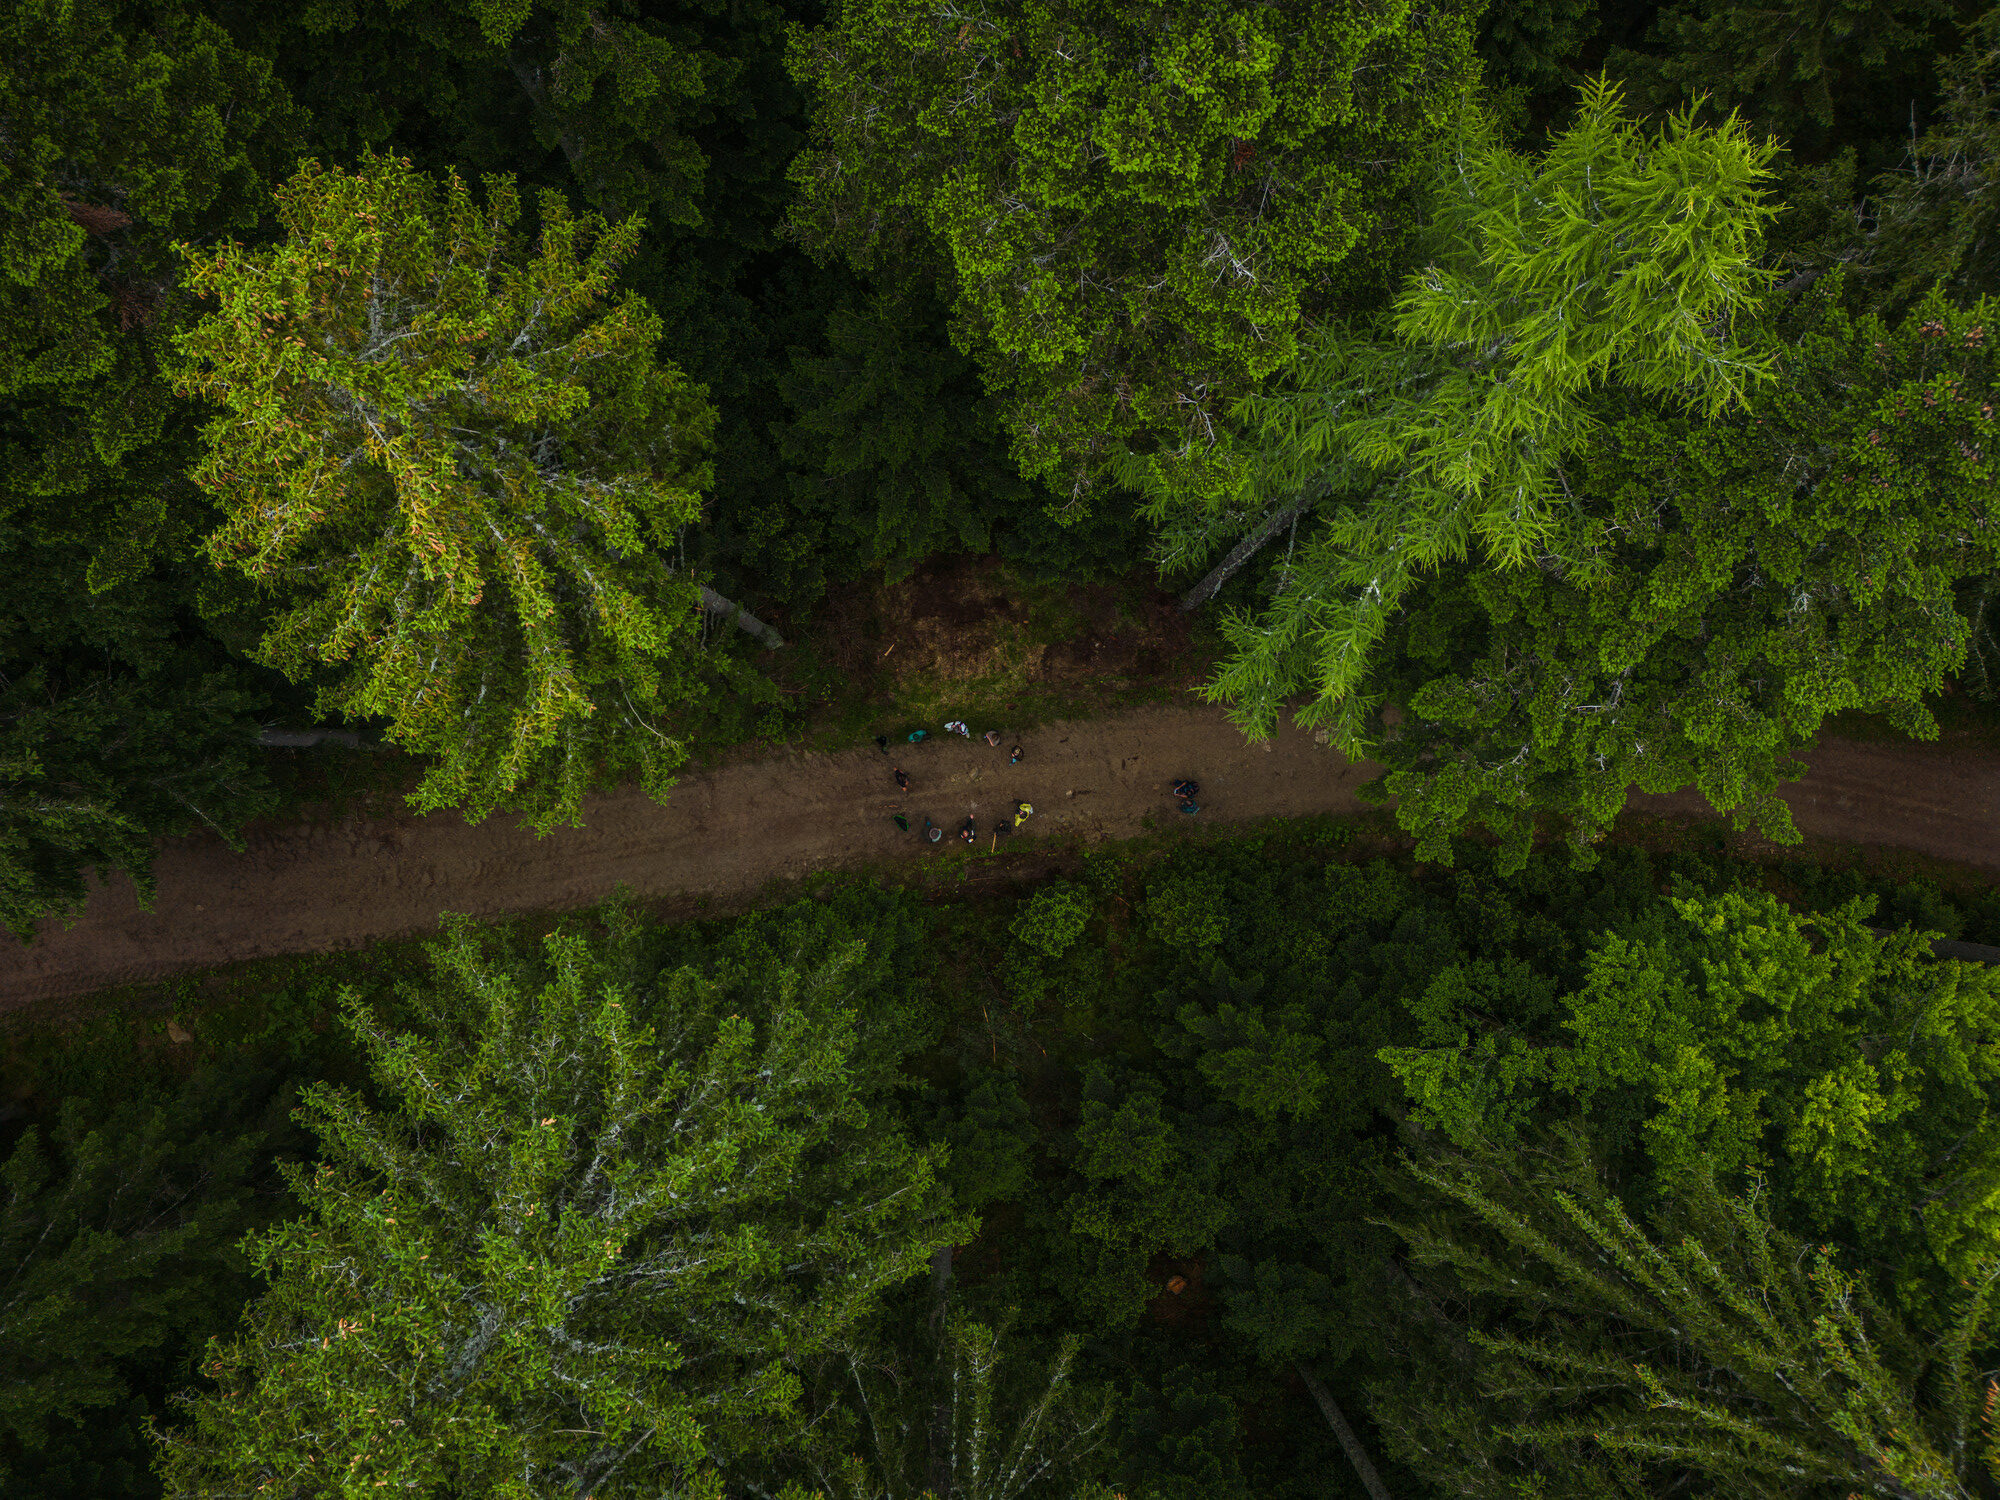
752 828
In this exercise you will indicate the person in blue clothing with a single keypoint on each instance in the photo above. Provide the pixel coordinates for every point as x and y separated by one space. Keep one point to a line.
1185 791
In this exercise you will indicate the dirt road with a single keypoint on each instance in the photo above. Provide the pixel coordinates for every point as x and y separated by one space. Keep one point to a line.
732 831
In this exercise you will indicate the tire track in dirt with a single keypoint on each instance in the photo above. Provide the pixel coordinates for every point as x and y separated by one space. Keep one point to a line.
731 831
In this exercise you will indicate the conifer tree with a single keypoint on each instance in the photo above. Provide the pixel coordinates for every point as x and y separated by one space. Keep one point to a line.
115 1242
1706 1349
953 1411
1615 256
582 1250
461 473
1137 205
122 720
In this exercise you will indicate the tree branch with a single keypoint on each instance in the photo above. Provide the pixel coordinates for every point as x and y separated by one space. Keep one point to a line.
1241 553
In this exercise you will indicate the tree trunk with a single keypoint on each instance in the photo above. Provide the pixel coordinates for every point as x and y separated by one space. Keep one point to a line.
1240 554
1356 1454
715 604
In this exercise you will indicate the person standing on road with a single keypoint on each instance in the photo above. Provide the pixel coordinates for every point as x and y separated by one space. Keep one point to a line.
1014 756
902 822
969 832
902 779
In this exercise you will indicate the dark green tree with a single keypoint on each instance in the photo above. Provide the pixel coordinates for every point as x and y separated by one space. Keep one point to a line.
117 1253
893 451
122 720
1937 217
1815 73
606 1214
1137 207
1606 1355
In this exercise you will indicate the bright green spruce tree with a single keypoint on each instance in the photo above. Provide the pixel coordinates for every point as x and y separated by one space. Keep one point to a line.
1136 205
605 1213
460 472
1858 1075
1755 520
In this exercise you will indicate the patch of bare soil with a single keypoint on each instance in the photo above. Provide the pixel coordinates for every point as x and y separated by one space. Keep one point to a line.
968 619
729 833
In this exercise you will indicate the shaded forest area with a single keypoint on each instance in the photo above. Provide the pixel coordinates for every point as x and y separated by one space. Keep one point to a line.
1135 1180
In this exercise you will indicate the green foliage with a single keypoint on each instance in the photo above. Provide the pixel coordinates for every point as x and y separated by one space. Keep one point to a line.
608 1212
1136 206
121 721
1053 919
1935 217
1857 1072
113 734
122 135
1615 257
1608 1357
992 1143
1810 71
1186 911
952 1414
1723 588
115 1246
894 450
461 471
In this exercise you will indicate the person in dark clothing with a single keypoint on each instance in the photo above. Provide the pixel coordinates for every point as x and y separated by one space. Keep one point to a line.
1187 791
902 780
882 743
902 822
1014 756
969 831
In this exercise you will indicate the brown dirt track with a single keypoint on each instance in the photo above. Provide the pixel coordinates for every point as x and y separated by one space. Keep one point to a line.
732 831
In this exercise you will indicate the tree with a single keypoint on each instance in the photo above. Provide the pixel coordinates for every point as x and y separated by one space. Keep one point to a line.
1137 206
117 1228
894 452
1616 256
1722 588
1608 1357
1812 72
461 471
1934 218
606 1214
122 719
948 1412
1855 1073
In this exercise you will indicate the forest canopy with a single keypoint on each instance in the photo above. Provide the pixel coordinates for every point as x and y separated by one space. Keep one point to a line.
1543 398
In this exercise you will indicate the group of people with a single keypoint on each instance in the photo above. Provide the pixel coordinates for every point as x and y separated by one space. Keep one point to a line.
970 831
1185 790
